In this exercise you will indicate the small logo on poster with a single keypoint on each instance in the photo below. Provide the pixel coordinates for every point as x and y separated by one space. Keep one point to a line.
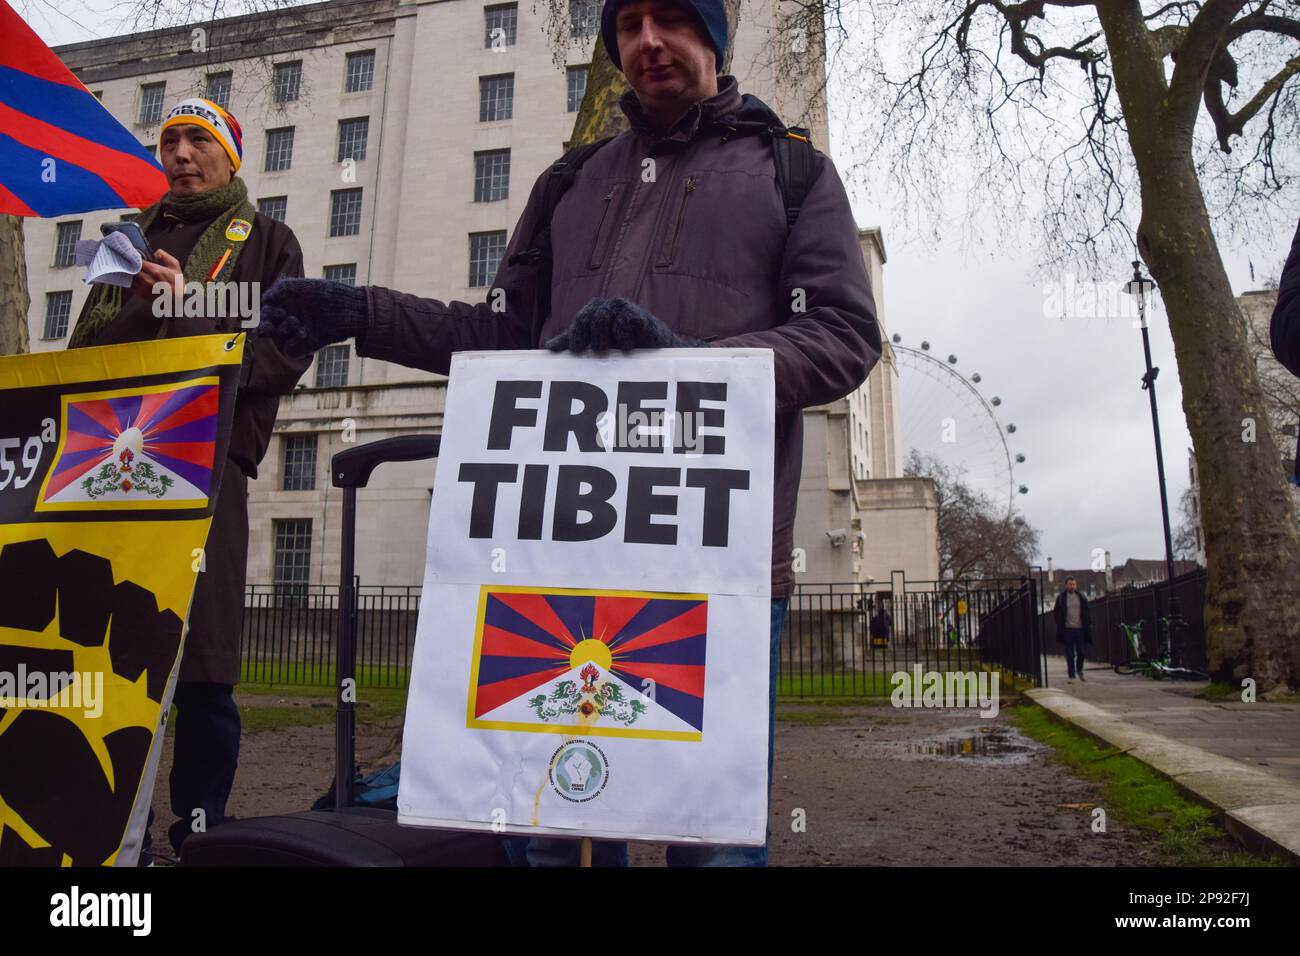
579 771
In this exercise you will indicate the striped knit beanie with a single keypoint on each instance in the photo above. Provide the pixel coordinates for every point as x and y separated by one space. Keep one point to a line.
211 117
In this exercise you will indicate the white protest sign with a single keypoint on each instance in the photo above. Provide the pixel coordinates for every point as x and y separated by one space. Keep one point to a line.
593 646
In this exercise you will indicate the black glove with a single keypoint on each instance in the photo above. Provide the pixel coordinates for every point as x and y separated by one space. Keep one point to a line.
605 324
303 315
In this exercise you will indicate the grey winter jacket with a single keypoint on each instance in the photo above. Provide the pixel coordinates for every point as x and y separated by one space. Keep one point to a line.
705 248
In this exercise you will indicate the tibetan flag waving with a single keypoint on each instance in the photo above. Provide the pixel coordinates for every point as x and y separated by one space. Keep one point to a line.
61 151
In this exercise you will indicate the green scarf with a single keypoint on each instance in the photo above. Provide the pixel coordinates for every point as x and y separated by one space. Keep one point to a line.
228 203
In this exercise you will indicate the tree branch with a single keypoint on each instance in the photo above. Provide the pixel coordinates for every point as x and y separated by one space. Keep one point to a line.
1224 71
1193 58
1017 16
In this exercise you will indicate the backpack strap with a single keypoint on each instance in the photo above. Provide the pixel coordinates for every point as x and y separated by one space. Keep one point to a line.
793 151
537 251
559 178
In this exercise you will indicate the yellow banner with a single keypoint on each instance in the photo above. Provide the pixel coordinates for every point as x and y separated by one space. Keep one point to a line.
110 463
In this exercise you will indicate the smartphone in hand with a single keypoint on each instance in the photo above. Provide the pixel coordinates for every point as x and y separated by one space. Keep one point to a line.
134 233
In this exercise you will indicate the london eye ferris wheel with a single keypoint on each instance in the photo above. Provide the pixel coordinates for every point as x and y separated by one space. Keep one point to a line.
945 417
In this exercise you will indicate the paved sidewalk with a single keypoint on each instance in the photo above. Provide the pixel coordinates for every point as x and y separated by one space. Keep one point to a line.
1243 759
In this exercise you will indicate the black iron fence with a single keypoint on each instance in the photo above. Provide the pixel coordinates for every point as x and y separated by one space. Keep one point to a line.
290 634
1012 636
828 647
1147 604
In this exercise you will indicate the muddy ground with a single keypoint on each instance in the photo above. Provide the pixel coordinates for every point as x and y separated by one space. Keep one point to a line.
878 786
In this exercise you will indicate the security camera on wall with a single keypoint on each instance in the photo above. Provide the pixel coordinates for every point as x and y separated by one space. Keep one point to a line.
838 536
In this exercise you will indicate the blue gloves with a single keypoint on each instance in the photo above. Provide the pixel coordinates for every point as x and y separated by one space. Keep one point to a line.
303 315
605 324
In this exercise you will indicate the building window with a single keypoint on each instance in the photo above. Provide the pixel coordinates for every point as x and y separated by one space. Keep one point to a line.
274 207
65 246
345 212
288 81
332 366
496 97
485 251
346 274
501 26
58 306
360 72
279 149
577 77
151 103
584 18
218 90
300 463
492 175
292 559
353 136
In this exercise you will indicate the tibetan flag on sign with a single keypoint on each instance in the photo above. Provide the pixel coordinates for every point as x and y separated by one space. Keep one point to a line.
61 151
109 478
604 663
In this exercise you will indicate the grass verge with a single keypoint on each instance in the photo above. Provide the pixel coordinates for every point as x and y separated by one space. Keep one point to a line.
1183 833
310 706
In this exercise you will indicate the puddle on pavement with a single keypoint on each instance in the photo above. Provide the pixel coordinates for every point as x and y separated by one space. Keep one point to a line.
998 746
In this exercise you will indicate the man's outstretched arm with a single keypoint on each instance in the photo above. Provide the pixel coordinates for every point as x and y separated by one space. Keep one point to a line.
304 315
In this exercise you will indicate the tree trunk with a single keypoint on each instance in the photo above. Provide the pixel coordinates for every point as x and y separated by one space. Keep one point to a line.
1252 621
1252 546
14 299
599 116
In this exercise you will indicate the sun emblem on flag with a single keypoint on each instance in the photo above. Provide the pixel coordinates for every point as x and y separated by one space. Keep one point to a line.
612 663
146 447
596 698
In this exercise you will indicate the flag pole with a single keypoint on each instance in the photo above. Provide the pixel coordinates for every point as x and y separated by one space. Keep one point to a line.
586 851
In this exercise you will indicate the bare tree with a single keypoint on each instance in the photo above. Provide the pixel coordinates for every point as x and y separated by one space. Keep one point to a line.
977 539
1124 120
1186 536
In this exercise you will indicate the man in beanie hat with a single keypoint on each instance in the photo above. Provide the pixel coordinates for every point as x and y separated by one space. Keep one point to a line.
204 229
710 250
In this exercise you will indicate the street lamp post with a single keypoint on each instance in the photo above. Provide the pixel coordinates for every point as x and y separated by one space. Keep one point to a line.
1141 286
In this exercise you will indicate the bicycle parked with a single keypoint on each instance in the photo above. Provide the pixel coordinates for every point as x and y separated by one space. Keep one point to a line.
1163 666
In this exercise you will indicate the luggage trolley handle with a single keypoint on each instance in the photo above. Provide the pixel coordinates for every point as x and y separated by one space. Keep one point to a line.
351 470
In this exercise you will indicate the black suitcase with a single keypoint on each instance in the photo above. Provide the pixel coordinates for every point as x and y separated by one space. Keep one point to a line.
347 835
353 836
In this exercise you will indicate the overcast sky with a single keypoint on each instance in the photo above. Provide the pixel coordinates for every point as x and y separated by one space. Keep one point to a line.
1071 386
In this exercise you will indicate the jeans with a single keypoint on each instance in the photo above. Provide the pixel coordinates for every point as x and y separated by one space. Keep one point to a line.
555 851
1073 641
205 731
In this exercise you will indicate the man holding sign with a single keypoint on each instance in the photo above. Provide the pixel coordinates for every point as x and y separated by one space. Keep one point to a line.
707 223
205 235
